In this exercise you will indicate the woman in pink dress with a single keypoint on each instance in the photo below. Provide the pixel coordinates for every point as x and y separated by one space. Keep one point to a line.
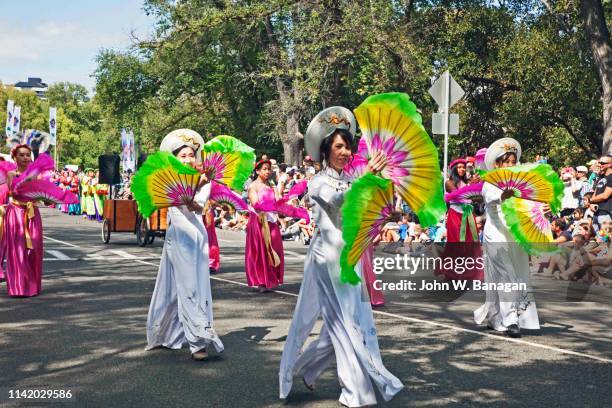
214 258
22 236
458 214
376 295
264 255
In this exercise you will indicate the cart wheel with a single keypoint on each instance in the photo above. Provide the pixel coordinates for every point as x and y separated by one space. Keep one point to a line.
142 232
106 231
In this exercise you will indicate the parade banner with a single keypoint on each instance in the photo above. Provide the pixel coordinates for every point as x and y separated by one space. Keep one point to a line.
132 151
16 119
53 124
8 129
128 153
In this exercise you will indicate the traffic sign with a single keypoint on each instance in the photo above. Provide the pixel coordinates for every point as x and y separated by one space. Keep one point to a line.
437 124
438 90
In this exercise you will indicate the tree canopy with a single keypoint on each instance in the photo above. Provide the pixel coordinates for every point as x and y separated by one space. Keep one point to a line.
260 70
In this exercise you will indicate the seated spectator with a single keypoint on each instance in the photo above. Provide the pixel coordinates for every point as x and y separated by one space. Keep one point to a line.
560 232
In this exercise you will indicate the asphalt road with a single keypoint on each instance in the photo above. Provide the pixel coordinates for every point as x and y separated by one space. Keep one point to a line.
86 333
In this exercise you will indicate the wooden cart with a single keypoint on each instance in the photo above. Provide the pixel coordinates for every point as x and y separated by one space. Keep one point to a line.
123 216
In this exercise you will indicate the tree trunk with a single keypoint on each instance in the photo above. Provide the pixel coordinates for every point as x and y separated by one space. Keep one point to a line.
292 136
292 140
599 41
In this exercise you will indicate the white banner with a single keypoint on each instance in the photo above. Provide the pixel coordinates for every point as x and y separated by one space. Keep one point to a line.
132 156
16 119
53 125
8 129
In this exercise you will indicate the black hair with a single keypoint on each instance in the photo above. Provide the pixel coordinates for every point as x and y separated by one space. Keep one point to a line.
175 152
326 144
505 157
456 178
283 167
258 166
561 224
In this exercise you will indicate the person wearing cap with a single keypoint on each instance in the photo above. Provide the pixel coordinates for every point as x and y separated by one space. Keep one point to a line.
593 166
21 237
602 196
181 306
348 333
505 261
582 183
461 230
264 254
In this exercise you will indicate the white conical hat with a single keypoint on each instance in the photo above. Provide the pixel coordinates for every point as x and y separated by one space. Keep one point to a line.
499 148
324 124
183 137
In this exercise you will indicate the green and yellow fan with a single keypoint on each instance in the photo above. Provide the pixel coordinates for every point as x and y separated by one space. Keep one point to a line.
368 206
228 161
536 182
529 225
390 123
163 181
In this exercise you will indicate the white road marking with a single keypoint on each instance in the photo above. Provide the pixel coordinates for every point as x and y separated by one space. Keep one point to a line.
61 242
428 322
123 254
59 255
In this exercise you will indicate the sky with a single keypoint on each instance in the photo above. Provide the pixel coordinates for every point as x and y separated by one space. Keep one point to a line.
58 40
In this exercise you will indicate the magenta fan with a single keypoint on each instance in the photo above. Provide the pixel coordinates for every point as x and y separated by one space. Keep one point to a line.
5 169
42 165
465 194
267 202
43 190
223 195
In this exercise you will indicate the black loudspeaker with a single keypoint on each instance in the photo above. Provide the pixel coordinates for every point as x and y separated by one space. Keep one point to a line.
109 168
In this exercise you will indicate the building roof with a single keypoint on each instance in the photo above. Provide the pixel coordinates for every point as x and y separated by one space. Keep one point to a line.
32 83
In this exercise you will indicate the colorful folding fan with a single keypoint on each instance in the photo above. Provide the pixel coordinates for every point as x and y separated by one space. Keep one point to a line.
465 194
227 160
368 206
296 190
5 168
480 157
44 190
531 182
529 225
163 181
41 166
357 166
223 195
268 203
390 123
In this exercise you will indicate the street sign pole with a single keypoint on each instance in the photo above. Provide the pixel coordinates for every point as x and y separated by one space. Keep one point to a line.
446 92
446 123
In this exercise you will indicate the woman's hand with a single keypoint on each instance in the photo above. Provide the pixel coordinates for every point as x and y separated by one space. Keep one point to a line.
546 209
507 194
377 163
195 207
203 180
475 178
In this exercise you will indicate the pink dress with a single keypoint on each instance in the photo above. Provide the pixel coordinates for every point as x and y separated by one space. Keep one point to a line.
376 295
24 257
456 247
264 257
214 258
3 202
